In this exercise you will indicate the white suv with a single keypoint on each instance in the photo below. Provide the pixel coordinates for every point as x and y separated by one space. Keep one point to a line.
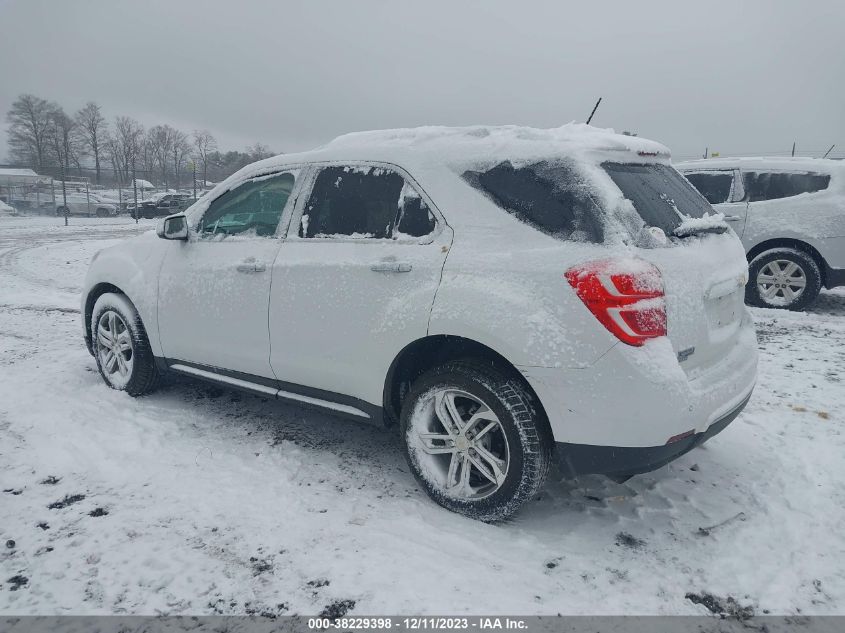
81 204
499 294
790 214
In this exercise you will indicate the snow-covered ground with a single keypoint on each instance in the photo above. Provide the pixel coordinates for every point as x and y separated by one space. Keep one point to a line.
201 500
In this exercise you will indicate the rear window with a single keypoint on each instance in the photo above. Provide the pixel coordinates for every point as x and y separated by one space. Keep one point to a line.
659 193
548 195
761 186
715 186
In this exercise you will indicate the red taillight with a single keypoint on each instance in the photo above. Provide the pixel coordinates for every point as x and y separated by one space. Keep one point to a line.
629 303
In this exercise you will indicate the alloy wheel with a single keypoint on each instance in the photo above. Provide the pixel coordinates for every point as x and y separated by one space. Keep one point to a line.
114 347
781 282
462 446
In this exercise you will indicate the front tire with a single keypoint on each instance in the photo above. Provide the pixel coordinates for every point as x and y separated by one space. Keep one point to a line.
783 278
121 346
475 440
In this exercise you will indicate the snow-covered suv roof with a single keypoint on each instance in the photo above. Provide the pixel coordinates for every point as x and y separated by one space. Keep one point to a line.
421 146
762 162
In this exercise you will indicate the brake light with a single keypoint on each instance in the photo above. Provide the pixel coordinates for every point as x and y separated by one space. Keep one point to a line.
627 300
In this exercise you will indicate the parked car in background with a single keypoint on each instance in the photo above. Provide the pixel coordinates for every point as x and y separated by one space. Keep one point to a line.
160 205
498 294
82 204
790 215
5 209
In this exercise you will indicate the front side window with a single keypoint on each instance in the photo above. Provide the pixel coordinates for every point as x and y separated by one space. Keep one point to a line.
760 185
364 202
715 186
252 209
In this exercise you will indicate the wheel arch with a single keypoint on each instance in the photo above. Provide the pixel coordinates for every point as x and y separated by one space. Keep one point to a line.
422 354
786 242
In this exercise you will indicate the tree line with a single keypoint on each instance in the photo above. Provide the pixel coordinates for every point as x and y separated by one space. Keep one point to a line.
42 136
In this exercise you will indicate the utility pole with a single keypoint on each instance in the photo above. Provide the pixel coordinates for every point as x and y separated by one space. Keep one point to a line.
135 189
64 192
194 169
595 107
793 148
706 150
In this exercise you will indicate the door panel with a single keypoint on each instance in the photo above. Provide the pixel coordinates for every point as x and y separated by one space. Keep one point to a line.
346 298
341 311
213 299
214 290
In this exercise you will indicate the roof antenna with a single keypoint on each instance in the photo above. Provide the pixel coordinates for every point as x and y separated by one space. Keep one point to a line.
829 151
596 107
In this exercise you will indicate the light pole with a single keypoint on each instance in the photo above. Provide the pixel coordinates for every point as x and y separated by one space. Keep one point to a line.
135 189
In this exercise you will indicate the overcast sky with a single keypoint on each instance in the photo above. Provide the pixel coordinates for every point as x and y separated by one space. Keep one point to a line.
737 77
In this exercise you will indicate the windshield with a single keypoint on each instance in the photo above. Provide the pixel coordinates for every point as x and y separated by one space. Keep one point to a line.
661 196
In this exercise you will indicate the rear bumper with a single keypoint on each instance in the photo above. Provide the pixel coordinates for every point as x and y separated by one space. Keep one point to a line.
620 463
641 397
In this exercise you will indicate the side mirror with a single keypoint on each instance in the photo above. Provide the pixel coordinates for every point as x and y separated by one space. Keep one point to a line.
174 227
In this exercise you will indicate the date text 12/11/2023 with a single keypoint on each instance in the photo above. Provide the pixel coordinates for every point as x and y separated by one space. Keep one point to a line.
418 623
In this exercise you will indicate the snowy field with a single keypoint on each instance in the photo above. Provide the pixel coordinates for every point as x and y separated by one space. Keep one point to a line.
199 500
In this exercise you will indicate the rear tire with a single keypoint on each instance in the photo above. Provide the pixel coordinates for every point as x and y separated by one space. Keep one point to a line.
62 211
102 213
783 278
121 346
496 455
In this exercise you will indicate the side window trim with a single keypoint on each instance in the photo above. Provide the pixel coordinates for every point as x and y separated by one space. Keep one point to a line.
292 230
297 170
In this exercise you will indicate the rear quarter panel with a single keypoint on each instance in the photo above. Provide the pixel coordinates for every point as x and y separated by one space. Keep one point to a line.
506 289
815 218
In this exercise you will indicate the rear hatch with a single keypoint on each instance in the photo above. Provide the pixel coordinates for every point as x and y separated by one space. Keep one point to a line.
703 267
660 219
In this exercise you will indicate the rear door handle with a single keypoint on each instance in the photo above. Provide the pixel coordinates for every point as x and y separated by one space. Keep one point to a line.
391 267
251 266
732 218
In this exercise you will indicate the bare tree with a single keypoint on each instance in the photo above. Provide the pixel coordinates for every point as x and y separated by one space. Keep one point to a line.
205 144
161 139
93 128
259 151
124 145
179 151
63 140
29 119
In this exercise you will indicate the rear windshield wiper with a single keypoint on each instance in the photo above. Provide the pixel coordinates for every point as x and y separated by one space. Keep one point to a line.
689 231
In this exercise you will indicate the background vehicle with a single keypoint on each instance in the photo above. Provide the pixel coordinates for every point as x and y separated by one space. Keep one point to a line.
160 205
80 204
790 214
496 293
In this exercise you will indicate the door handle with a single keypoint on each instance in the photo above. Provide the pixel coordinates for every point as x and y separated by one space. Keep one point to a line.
251 266
391 267
732 218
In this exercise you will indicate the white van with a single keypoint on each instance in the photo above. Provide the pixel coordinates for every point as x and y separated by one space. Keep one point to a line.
790 214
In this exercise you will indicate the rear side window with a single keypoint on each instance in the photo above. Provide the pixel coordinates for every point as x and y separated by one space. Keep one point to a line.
760 185
415 218
548 195
352 202
659 193
714 186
